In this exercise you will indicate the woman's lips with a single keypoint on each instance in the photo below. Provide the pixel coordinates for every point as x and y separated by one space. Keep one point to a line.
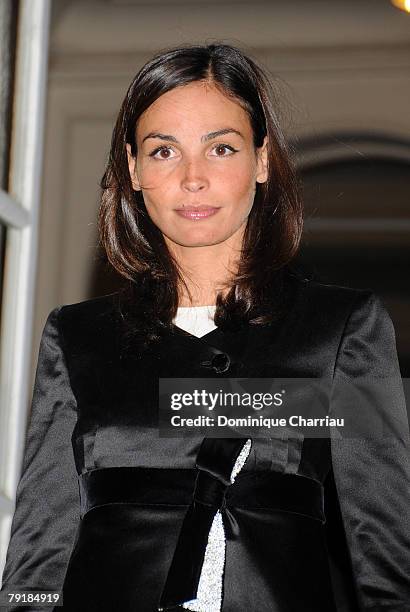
197 213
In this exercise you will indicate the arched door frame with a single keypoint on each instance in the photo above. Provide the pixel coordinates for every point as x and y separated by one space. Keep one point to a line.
332 147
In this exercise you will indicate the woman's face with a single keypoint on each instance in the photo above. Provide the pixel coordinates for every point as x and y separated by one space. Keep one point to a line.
196 165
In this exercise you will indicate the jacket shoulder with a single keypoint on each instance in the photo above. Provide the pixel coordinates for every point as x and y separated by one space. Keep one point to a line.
325 297
339 293
96 306
90 320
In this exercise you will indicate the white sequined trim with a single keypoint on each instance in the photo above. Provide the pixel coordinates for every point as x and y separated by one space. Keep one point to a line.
209 594
240 462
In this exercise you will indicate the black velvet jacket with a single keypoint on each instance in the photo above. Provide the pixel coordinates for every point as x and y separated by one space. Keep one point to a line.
117 518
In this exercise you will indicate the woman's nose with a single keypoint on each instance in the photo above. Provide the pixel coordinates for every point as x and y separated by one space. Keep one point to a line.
194 176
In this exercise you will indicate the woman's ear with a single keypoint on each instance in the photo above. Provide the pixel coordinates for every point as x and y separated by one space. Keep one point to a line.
262 162
132 169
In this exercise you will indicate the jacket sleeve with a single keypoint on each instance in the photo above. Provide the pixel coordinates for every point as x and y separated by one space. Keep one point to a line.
47 507
372 471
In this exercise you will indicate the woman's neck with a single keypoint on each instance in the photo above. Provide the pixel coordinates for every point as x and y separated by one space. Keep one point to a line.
200 296
200 306
207 270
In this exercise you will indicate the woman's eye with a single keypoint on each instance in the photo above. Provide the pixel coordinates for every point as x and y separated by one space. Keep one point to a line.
219 148
157 153
164 152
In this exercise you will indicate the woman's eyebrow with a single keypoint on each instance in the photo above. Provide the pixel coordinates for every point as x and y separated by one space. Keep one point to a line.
204 138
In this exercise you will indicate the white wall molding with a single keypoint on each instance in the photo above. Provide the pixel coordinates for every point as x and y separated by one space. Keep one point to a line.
297 62
81 27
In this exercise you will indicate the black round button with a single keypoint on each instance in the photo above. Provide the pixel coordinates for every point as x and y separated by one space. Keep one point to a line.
220 363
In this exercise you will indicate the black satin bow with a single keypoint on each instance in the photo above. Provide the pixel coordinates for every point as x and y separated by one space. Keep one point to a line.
215 461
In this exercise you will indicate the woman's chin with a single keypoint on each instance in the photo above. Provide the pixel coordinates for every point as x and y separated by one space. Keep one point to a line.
197 239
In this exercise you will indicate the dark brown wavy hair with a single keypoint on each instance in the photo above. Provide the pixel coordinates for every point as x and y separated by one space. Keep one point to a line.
135 246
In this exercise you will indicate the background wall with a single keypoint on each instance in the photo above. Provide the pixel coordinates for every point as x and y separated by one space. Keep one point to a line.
343 72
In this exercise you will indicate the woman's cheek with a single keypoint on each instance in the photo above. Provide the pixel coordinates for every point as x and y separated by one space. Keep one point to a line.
240 181
153 173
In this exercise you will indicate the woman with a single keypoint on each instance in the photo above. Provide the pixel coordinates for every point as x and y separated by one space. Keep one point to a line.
201 214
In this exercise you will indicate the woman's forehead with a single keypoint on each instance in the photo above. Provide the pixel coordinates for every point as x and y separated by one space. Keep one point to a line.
196 106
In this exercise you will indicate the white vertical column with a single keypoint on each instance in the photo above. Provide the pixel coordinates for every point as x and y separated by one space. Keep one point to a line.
21 248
